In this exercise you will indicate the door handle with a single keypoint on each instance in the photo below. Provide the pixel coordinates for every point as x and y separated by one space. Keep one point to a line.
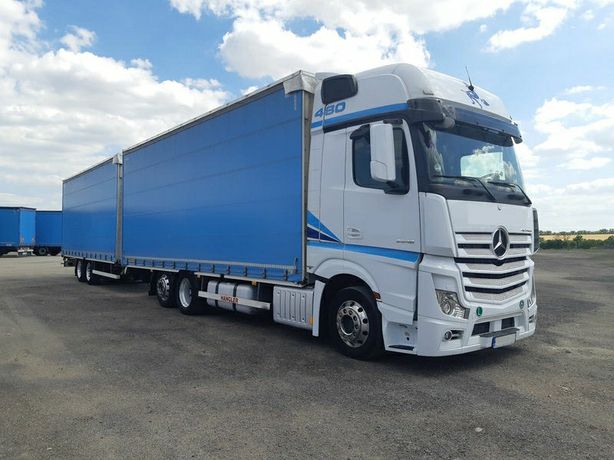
353 233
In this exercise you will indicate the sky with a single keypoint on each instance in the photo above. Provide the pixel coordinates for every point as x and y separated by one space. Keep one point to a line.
79 81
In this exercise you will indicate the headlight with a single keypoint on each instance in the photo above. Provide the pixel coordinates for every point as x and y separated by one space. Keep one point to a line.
448 302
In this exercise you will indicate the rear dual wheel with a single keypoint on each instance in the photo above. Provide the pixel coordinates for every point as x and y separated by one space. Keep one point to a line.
179 290
187 300
91 277
80 270
165 289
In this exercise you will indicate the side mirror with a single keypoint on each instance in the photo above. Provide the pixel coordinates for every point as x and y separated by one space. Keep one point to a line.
383 163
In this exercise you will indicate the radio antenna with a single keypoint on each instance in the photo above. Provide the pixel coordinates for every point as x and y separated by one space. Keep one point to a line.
470 86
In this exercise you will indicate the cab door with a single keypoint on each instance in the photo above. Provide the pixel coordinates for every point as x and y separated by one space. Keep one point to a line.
381 220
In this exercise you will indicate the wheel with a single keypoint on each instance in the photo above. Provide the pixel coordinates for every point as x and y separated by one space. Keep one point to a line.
186 293
91 278
55 252
165 290
41 251
80 270
355 323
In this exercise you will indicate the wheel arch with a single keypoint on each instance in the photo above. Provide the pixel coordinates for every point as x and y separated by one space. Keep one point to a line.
333 275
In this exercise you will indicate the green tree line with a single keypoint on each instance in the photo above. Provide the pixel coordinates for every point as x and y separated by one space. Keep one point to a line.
578 242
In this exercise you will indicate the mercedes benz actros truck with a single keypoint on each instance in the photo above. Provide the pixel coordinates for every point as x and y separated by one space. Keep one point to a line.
385 209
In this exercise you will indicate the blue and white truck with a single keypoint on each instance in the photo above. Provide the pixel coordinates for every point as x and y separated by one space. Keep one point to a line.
385 209
17 229
48 233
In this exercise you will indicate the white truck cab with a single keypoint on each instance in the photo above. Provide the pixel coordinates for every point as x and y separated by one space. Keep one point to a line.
416 200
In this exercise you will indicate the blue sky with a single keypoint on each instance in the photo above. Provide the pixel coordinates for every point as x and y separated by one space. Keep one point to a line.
81 83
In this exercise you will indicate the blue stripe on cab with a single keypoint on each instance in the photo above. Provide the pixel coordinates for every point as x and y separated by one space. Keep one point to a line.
360 114
408 256
323 229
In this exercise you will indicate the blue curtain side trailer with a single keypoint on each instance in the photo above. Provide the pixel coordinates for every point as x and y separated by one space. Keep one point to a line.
17 229
48 233
90 204
221 197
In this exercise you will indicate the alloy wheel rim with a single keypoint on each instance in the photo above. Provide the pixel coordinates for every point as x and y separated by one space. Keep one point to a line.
352 324
163 287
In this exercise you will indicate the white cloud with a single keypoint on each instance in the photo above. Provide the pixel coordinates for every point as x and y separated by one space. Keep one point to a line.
249 89
578 142
259 48
582 89
79 38
528 160
193 7
370 33
367 34
63 110
575 130
545 16
587 163
583 205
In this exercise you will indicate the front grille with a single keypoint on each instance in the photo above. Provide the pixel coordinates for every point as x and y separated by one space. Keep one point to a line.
488 279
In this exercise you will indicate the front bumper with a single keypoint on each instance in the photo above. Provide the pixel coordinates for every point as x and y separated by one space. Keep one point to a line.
431 333
485 319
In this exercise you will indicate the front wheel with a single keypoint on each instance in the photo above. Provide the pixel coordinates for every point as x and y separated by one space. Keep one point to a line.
188 301
355 324
41 251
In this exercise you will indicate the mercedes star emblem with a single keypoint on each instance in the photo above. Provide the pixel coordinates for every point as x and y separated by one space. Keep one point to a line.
500 242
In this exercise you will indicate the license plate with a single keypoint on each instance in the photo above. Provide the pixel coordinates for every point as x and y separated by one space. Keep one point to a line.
504 340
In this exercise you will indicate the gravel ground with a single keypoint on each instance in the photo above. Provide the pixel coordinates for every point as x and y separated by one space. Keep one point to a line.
104 372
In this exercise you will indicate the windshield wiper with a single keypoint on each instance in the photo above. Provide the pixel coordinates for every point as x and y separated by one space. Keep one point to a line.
470 179
511 185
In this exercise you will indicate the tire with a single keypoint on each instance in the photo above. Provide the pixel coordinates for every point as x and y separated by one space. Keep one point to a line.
41 251
91 278
355 323
165 289
186 294
55 252
80 270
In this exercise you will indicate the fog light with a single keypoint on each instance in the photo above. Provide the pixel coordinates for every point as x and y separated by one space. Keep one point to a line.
449 304
447 335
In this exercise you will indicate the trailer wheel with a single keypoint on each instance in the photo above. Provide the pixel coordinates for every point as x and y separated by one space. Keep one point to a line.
91 278
55 252
165 289
186 292
80 270
41 251
355 324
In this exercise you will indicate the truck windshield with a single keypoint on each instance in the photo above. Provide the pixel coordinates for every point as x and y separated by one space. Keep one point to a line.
469 162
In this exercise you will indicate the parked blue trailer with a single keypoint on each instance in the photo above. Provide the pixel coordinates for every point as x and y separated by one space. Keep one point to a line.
222 194
17 229
48 233
90 215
